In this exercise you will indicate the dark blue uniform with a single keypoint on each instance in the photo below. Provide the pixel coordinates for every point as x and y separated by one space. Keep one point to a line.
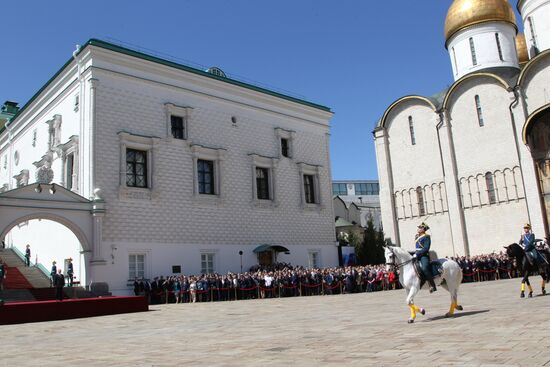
527 240
423 243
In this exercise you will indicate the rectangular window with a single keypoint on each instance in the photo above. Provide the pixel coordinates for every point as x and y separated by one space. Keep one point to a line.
207 263
473 51
532 32
491 192
177 127
454 59
136 266
309 189
205 173
411 130
420 199
136 168
360 189
69 171
339 189
499 47
314 259
262 183
479 111
285 148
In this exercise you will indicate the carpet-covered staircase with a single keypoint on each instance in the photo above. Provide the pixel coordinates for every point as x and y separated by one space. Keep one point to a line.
23 283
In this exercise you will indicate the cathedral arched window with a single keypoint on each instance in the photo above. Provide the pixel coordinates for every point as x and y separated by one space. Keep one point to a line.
479 111
420 200
491 192
499 47
411 130
473 51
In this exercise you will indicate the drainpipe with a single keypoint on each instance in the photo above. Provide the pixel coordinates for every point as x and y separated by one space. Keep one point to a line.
512 105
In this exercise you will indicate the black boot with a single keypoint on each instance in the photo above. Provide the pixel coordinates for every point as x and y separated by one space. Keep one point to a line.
432 285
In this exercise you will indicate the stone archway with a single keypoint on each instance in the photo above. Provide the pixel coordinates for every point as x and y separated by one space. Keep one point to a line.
81 216
536 135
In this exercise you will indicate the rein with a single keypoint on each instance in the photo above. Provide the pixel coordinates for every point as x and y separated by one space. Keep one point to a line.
399 266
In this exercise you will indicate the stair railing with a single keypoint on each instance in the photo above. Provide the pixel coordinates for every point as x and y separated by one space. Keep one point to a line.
19 254
41 267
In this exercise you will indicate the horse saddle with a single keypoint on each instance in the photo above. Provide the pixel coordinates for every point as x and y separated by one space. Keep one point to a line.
436 268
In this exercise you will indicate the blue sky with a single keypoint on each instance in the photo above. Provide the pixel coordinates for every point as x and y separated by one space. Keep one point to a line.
355 57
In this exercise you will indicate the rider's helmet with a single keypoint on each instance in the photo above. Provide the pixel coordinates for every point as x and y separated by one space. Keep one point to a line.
527 226
424 226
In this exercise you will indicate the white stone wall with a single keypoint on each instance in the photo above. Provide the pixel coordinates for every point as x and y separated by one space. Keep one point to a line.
340 208
486 48
174 223
536 84
539 11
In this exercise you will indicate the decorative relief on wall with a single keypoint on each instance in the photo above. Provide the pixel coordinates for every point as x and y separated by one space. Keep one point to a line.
54 132
16 157
44 173
22 178
420 201
4 188
34 134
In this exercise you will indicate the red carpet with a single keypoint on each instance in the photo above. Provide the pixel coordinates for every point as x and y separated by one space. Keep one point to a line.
18 313
15 280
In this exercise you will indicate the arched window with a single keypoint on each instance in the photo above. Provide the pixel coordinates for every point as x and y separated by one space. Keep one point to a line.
411 129
454 60
499 47
479 111
420 200
491 193
473 51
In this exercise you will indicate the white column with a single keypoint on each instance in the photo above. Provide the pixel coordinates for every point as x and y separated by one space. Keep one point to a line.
93 82
98 212
385 176
457 223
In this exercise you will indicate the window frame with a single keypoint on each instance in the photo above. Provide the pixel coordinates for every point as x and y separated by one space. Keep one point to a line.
310 170
411 131
420 201
68 149
269 163
177 111
317 254
338 193
479 111
213 261
473 51
491 188
148 145
217 156
136 274
289 136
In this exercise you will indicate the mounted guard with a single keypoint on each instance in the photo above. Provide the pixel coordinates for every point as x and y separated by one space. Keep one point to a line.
412 278
422 255
527 241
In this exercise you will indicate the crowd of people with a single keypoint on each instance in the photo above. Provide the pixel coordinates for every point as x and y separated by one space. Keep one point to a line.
285 280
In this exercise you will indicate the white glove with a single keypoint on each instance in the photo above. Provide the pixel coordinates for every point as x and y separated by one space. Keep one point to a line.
414 256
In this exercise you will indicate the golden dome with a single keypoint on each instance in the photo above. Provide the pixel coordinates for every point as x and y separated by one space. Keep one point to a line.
464 13
521 46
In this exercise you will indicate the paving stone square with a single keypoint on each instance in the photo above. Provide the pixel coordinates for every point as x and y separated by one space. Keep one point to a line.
496 328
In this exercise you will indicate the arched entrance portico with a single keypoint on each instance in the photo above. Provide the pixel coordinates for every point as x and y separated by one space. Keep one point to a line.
536 134
53 202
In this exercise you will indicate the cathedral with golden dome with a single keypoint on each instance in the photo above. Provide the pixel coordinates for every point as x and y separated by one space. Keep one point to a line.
473 160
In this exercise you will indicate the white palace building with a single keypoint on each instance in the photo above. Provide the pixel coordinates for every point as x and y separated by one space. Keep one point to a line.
473 161
159 169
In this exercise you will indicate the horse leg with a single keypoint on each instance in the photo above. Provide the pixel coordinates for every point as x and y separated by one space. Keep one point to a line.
544 279
413 308
530 288
523 280
454 303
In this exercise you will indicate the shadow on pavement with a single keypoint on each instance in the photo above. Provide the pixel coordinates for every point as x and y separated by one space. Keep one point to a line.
457 315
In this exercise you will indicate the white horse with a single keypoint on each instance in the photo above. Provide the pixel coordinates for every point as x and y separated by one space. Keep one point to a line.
398 258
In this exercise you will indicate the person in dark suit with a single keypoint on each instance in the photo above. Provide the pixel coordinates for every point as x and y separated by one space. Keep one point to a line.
59 283
28 255
53 272
70 272
3 273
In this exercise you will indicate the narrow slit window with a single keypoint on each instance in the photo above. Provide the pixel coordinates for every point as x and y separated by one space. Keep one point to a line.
532 32
479 112
454 60
499 47
491 192
473 51
411 129
420 199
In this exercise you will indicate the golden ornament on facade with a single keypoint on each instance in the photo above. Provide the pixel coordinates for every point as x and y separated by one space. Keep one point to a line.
521 46
465 13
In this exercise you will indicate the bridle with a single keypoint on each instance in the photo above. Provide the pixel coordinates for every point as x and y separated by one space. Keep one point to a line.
393 265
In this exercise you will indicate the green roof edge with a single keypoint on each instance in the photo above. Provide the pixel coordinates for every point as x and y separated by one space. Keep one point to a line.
127 51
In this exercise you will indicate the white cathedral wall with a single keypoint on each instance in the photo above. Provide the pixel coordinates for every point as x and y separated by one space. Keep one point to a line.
175 224
419 164
440 232
480 149
486 48
536 85
539 11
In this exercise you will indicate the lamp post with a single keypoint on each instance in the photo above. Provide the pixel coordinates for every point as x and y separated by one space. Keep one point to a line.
241 255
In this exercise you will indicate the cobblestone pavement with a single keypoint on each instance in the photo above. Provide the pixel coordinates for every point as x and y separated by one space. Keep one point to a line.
496 328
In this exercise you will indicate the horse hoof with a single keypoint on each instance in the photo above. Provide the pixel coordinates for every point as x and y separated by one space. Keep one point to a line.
459 307
410 321
422 311
448 314
522 295
544 292
530 294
